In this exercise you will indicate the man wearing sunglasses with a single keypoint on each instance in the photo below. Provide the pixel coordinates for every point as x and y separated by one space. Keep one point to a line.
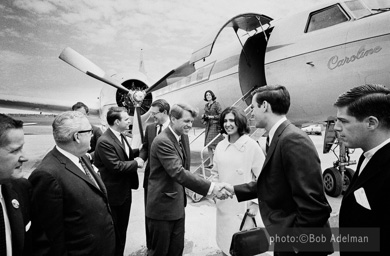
70 210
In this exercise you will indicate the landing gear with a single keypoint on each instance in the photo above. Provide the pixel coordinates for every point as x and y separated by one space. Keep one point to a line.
332 182
337 178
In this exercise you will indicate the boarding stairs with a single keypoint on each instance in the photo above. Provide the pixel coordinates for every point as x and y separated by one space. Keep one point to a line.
205 172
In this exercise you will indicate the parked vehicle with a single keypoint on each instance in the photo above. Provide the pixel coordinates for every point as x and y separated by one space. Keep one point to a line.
313 129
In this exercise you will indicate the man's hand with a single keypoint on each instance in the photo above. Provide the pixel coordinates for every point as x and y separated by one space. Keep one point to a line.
222 193
228 188
140 162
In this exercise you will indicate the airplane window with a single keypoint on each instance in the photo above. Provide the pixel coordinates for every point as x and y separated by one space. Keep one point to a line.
357 8
326 17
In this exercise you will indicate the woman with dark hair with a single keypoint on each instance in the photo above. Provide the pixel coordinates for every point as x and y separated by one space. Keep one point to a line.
210 118
237 159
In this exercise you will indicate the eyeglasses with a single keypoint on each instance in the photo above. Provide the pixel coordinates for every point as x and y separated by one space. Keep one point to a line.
86 131
154 113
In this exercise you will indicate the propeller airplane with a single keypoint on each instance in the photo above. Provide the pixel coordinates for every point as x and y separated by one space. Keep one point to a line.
317 54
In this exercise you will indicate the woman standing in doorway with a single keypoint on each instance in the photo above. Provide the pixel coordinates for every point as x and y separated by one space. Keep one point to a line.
238 159
210 118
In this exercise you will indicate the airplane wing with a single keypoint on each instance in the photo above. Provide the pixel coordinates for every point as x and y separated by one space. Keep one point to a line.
24 103
247 22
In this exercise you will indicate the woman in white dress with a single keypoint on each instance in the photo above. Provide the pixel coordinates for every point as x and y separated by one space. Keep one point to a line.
237 159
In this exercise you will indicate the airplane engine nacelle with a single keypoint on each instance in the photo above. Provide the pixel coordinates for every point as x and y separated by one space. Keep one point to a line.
111 97
123 99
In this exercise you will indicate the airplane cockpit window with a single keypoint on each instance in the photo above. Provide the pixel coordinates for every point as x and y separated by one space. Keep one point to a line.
327 17
357 8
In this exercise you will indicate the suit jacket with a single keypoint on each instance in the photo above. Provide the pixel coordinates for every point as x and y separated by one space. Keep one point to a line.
375 180
70 215
169 174
289 188
17 195
150 134
118 171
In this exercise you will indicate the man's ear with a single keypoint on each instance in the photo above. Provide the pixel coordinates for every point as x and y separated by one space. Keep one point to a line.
372 122
76 137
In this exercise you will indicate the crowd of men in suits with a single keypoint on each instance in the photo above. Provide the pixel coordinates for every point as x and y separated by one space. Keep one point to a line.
66 207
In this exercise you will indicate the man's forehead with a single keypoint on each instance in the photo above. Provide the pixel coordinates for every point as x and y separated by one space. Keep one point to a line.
11 136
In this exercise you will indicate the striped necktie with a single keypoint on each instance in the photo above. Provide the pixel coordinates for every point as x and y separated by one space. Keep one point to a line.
159 129
87 172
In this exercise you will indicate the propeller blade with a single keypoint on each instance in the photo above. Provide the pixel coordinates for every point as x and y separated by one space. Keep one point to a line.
107 81
86 66
138 135
78 61
185 69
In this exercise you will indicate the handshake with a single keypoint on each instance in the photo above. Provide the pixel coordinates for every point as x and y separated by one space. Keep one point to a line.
223 190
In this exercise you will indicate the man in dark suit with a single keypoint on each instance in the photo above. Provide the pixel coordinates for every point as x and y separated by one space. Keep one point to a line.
363 121
15 192
159 110
70 210
118 167
289 188
169 175
96 131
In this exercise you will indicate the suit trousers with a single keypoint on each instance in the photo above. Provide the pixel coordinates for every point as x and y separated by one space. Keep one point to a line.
146 221
166 237
120 215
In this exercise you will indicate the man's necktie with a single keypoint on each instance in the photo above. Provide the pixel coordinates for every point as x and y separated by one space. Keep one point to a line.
159 129
88 173
124 144
3 242
267 145
182 148
361 159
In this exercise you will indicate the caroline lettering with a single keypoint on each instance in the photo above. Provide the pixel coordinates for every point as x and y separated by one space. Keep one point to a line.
336 62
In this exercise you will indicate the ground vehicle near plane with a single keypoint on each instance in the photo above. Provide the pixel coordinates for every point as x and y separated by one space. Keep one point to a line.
317 54
312 129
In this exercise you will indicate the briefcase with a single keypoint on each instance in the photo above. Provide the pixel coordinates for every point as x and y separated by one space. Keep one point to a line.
249 242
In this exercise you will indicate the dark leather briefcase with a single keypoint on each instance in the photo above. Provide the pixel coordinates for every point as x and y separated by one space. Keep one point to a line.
249 242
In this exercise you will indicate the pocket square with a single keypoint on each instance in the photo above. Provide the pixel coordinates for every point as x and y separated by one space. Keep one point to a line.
28 226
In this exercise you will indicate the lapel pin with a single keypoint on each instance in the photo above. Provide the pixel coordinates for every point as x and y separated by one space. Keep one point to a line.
15 203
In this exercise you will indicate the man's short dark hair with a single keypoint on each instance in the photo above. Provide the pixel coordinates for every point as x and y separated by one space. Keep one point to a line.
7 123
114 113
276 95
162 105
178 110
367 100
80 105
240 120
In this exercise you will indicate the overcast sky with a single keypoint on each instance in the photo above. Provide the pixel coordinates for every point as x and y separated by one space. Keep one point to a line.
111 33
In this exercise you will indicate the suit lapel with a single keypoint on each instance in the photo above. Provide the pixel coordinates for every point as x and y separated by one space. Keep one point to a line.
95 175
71 167
172 137
119 143
373 167
14 215
275 141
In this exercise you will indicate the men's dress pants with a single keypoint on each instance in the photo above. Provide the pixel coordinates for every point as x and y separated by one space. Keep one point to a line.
166 237
120 215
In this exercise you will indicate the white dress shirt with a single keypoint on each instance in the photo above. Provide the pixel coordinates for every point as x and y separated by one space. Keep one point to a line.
7 225
368 155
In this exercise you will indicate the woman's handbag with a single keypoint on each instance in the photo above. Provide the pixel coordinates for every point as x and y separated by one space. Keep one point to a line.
249 242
